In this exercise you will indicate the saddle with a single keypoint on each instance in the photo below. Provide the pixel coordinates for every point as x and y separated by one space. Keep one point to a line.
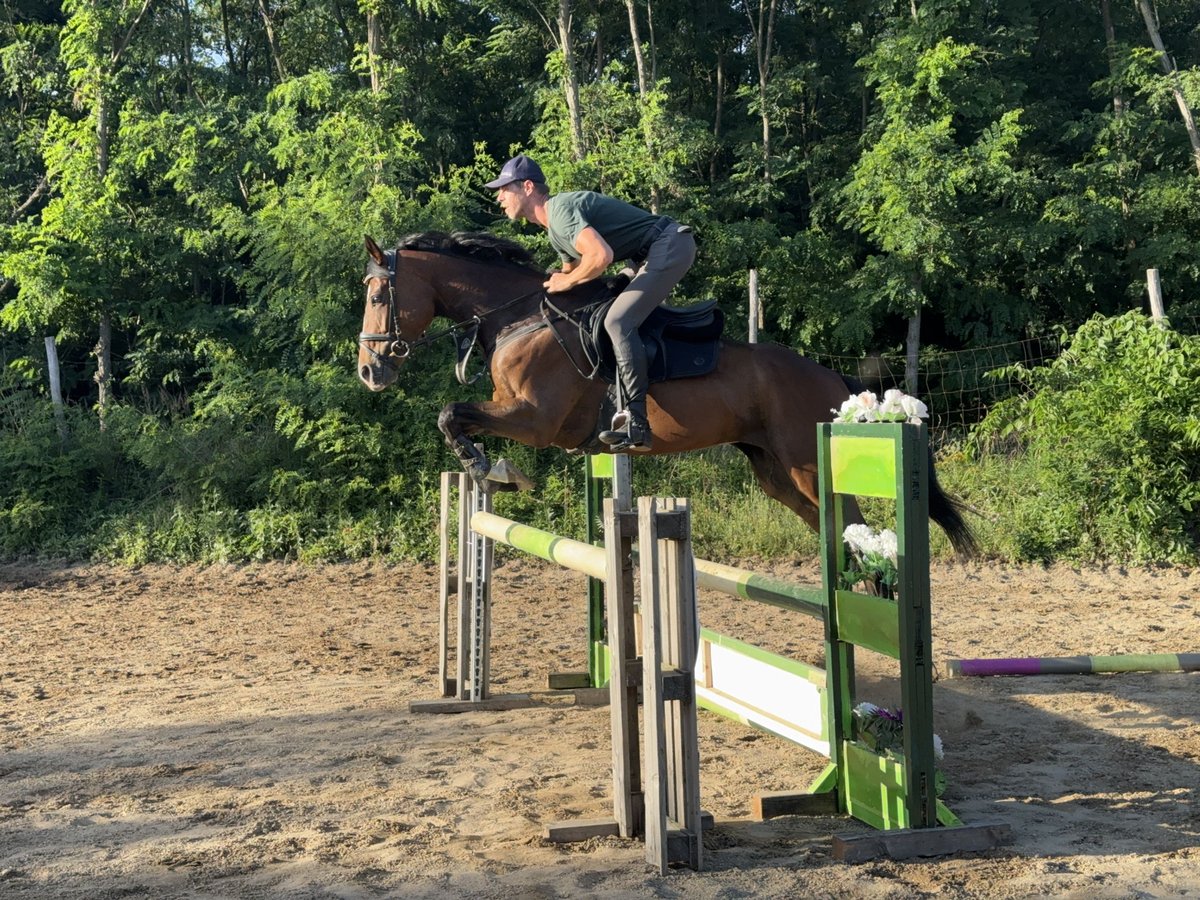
681 342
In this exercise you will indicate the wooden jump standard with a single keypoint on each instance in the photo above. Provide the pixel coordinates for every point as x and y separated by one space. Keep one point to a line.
666 808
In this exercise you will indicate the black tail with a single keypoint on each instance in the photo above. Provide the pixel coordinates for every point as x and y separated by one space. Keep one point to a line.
947 512
943 508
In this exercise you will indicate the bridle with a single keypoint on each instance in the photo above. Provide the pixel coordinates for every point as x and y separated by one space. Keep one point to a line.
398 348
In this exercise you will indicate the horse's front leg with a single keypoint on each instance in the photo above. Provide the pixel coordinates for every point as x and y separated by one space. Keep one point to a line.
515 419
458 423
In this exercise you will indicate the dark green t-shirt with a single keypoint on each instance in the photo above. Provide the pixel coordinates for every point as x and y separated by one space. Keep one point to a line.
621 224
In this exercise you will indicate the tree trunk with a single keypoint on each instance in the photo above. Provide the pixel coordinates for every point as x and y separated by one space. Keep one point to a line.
1176 86
374 47
271 43
351 49
653 47
56 398
104 368
103 375
636 39
718 113
570 80
764 39
1110 42
638 56
225 31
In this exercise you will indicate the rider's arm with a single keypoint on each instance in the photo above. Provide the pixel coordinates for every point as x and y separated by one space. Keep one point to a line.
595 255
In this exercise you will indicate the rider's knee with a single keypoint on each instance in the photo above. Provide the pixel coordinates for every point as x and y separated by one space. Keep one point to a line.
619 330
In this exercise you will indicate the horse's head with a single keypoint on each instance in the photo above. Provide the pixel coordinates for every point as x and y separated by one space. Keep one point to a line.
391 321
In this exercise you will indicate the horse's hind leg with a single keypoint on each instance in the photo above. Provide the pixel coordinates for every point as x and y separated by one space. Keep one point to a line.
796 488
776 482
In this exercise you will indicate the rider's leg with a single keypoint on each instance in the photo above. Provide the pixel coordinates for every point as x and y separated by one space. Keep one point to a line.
632 371
668 260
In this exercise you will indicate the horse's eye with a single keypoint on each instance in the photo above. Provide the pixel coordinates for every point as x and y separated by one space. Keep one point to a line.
377 300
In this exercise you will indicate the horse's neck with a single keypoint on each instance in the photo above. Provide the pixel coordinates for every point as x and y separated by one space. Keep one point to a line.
492 303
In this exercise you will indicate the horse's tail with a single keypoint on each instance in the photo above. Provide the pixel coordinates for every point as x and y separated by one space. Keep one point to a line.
947 512
943 509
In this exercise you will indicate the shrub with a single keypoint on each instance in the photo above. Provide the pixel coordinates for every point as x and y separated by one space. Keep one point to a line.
1101 457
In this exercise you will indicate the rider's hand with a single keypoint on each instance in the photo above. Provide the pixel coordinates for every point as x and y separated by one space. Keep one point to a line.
558 282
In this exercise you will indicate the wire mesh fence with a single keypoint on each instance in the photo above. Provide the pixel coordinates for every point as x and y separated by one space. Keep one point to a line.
958 386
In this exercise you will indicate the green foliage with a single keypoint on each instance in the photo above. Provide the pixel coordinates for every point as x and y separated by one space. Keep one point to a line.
1101 459
205 189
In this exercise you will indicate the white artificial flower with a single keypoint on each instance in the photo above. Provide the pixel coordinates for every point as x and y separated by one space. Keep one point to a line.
890 409
938 752
888 546
896 406
865 709
868 407
914 409
859 537
848 411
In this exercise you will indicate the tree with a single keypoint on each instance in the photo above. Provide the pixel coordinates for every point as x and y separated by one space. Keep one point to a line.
911 189
1147 10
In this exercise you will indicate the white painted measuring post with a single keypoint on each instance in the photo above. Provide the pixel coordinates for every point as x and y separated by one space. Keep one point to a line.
465 595
470 587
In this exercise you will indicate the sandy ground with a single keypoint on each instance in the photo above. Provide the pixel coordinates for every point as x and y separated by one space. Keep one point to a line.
245 732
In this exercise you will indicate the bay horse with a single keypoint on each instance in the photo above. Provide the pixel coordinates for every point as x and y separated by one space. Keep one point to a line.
764 399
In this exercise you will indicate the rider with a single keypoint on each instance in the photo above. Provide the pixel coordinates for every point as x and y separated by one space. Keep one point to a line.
590 230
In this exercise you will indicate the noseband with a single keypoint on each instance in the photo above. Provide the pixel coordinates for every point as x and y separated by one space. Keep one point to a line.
397 347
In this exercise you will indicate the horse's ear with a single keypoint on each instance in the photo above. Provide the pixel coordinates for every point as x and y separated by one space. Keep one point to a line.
375 251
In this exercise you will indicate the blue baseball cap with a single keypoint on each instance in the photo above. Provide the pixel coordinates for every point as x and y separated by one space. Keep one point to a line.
519 168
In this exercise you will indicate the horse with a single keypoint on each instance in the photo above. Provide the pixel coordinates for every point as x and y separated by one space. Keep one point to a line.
764 399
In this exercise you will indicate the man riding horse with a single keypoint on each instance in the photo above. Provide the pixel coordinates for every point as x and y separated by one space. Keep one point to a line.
589 230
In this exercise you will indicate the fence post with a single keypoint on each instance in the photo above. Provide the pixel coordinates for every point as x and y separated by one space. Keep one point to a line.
1154 289
56 388
755 307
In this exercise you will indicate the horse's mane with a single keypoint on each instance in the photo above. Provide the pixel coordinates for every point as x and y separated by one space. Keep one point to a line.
472 245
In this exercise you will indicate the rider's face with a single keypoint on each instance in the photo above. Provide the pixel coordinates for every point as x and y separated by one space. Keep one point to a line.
511 198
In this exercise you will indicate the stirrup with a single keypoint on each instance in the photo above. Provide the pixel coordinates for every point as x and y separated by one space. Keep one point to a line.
627 433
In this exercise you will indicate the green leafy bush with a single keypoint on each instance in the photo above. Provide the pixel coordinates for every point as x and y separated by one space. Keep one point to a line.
1100 459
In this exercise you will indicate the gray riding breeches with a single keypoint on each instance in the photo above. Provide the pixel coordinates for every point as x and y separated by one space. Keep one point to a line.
667 261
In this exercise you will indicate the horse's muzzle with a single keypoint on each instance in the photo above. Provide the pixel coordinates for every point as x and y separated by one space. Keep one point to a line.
377 377
383 368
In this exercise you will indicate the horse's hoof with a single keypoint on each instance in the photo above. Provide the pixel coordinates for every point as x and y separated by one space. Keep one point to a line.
479 474
504 476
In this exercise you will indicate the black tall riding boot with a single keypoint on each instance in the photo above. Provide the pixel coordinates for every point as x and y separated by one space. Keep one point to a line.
631 428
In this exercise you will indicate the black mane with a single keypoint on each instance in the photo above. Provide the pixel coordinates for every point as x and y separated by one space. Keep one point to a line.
472 245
